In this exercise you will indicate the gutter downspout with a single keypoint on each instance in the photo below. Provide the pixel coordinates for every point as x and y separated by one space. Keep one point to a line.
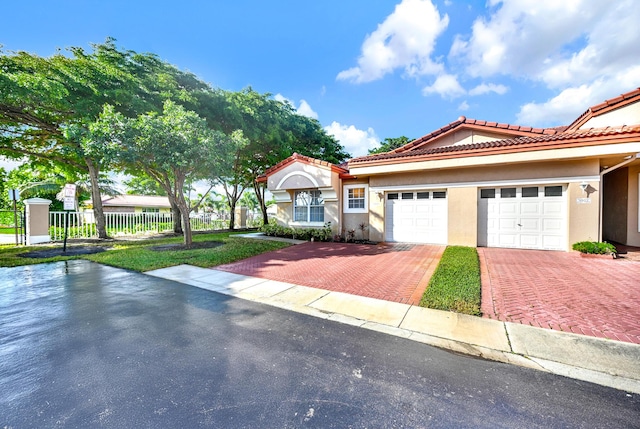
601 196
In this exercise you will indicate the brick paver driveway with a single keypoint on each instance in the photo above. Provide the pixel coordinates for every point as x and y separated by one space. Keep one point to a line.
393 272
562 291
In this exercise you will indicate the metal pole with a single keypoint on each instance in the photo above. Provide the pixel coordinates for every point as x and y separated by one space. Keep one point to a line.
15 215
66 228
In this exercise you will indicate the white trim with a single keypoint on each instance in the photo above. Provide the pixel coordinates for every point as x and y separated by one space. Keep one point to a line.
298 173
328 194
488 184
307 224
281 196
37 239
37 201
345 203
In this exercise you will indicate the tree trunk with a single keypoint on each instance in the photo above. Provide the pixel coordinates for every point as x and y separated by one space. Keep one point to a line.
177 218
259 189
184 211
96 197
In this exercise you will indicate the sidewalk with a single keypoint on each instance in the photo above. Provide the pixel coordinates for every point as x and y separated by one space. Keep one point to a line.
596 360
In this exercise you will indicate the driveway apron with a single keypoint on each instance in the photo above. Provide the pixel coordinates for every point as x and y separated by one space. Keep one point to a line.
392 272
562 291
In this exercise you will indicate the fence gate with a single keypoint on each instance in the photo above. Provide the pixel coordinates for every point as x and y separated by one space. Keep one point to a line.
12 224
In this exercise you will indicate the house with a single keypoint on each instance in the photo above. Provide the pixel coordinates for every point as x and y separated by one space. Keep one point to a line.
133 204
479 183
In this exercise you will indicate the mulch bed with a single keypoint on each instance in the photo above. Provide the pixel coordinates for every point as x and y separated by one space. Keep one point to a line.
71 251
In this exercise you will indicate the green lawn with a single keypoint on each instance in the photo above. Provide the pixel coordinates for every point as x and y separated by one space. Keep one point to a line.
455 285
137 255
7 230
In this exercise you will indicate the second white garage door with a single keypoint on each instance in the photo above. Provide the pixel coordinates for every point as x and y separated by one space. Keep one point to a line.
416 217
525 217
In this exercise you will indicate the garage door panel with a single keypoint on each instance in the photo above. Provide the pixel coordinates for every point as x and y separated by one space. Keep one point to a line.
552 208
530 241
529 221
506 209
530 224
530 209
416 220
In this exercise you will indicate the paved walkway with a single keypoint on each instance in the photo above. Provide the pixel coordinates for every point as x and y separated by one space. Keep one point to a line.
605 362
392 272
562 291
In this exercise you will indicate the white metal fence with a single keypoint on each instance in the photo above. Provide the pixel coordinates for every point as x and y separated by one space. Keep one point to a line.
82 224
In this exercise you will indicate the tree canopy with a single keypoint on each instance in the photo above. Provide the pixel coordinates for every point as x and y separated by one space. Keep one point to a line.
389 144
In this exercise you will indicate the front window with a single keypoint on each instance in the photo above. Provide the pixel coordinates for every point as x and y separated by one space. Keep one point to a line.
355 198
308 206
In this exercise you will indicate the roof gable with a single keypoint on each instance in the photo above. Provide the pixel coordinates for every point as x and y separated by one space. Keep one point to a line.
485 131
607 106
296 157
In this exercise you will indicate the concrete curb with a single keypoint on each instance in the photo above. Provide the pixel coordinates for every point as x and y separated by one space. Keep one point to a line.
601 361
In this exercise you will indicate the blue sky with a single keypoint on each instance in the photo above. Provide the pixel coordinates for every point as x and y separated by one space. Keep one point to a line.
370 69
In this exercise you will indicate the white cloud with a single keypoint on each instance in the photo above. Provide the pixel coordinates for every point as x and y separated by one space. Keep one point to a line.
306 110
303 109
405 40
446 85
463 106
356 142
565 107
582 50
485 88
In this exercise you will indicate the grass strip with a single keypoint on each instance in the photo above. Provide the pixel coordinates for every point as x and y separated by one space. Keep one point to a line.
455 285
138 255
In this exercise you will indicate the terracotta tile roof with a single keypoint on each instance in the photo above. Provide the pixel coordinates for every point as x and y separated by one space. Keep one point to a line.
606 106
544 141
516 130
304 159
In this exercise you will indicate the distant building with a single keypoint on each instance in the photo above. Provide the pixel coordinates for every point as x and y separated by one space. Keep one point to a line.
133 204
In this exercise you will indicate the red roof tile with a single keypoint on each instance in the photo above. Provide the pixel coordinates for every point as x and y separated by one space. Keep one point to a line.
541 142
304 159
513 129
606 106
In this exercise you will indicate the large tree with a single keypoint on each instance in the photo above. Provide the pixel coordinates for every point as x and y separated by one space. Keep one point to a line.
47 105
389 144
172 148
274 131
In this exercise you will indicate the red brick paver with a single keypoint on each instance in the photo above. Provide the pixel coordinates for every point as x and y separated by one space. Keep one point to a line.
393 272
562 291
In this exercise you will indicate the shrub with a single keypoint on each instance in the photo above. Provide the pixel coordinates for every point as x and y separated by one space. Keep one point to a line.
317 234
594 247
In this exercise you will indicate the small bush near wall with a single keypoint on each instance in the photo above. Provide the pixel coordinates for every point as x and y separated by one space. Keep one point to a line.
594 248
317 234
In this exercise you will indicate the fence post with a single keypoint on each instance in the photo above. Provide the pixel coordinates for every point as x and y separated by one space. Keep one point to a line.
241 217
37 220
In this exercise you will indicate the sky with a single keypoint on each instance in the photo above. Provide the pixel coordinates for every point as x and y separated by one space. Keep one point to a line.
369 69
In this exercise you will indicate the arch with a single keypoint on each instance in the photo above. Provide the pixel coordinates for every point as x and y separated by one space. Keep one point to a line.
299 173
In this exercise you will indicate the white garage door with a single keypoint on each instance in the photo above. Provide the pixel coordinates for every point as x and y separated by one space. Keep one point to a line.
416 217
527 217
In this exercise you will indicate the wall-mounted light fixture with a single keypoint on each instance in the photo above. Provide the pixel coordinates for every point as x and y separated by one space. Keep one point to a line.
584 185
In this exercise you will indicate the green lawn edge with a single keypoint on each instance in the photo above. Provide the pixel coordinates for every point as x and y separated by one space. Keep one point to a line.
455 285
138 255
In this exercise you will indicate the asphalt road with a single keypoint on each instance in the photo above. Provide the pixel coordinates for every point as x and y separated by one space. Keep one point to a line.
84 345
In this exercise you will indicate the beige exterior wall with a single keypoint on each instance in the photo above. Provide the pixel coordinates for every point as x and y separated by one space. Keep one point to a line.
376 216
627 115
463 216
298 175
353 221
583 218
633 235
532 171
467 136
284 215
